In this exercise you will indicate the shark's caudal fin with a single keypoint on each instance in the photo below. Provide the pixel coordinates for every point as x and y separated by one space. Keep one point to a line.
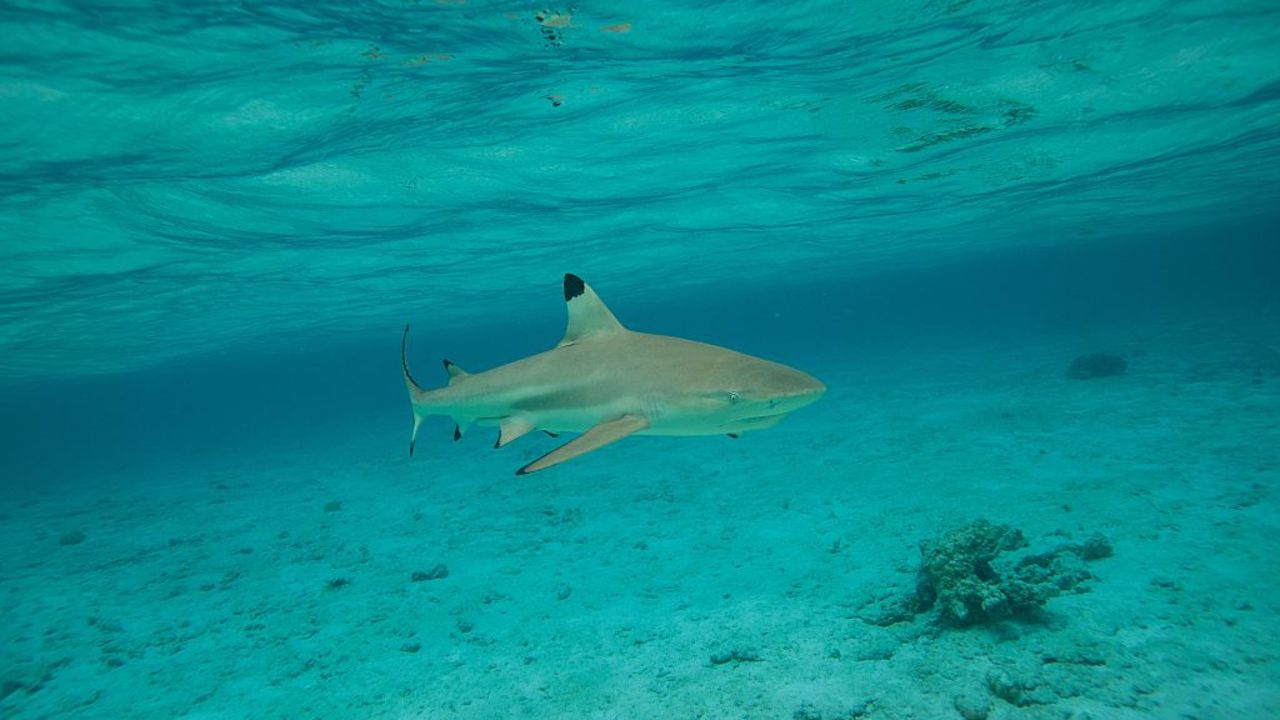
588 315
415 390
420 397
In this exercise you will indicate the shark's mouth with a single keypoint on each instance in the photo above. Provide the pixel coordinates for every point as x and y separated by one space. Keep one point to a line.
758 421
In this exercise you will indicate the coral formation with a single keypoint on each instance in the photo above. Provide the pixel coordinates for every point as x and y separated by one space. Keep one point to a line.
1096 365
956 574
964 576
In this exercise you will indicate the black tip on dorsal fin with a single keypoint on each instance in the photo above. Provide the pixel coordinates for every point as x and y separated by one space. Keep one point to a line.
573 286
733 435
588 315
457 433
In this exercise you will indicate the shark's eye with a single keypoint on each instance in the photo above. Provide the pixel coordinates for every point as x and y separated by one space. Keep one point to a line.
734 397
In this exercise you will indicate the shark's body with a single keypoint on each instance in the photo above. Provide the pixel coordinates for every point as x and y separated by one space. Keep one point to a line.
608 382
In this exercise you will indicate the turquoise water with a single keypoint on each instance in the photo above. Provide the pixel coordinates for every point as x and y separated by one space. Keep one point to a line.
216 219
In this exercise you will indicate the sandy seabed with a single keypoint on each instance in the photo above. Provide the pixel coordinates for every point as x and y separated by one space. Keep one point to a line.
690 578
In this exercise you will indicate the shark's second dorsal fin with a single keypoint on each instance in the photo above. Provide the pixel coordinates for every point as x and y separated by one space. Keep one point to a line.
454 371
588 314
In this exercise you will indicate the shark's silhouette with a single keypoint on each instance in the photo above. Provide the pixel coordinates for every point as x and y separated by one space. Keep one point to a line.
607 382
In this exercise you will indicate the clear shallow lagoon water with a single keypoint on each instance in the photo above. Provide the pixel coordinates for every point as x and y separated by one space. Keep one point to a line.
215 220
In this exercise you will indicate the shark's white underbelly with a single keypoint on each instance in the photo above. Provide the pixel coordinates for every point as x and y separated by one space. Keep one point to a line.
583 418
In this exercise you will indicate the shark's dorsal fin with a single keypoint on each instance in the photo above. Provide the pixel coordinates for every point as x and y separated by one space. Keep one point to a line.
588 315
454 371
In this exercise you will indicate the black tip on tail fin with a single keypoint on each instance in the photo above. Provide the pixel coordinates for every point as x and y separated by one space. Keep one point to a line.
404 360
573 286
411 444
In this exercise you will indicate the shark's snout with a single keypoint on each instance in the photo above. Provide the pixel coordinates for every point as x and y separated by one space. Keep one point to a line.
816 389
809 386
787 389
808 393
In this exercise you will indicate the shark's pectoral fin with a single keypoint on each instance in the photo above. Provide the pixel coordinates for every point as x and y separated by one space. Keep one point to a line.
551 434
596 437
512 428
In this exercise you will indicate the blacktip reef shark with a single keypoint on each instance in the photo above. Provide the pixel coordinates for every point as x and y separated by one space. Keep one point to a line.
608 382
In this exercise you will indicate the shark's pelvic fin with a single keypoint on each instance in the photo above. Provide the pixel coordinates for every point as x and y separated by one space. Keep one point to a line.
596 437
510 429
588 315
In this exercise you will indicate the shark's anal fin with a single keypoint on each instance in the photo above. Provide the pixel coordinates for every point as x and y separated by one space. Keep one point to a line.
510 429
596 437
